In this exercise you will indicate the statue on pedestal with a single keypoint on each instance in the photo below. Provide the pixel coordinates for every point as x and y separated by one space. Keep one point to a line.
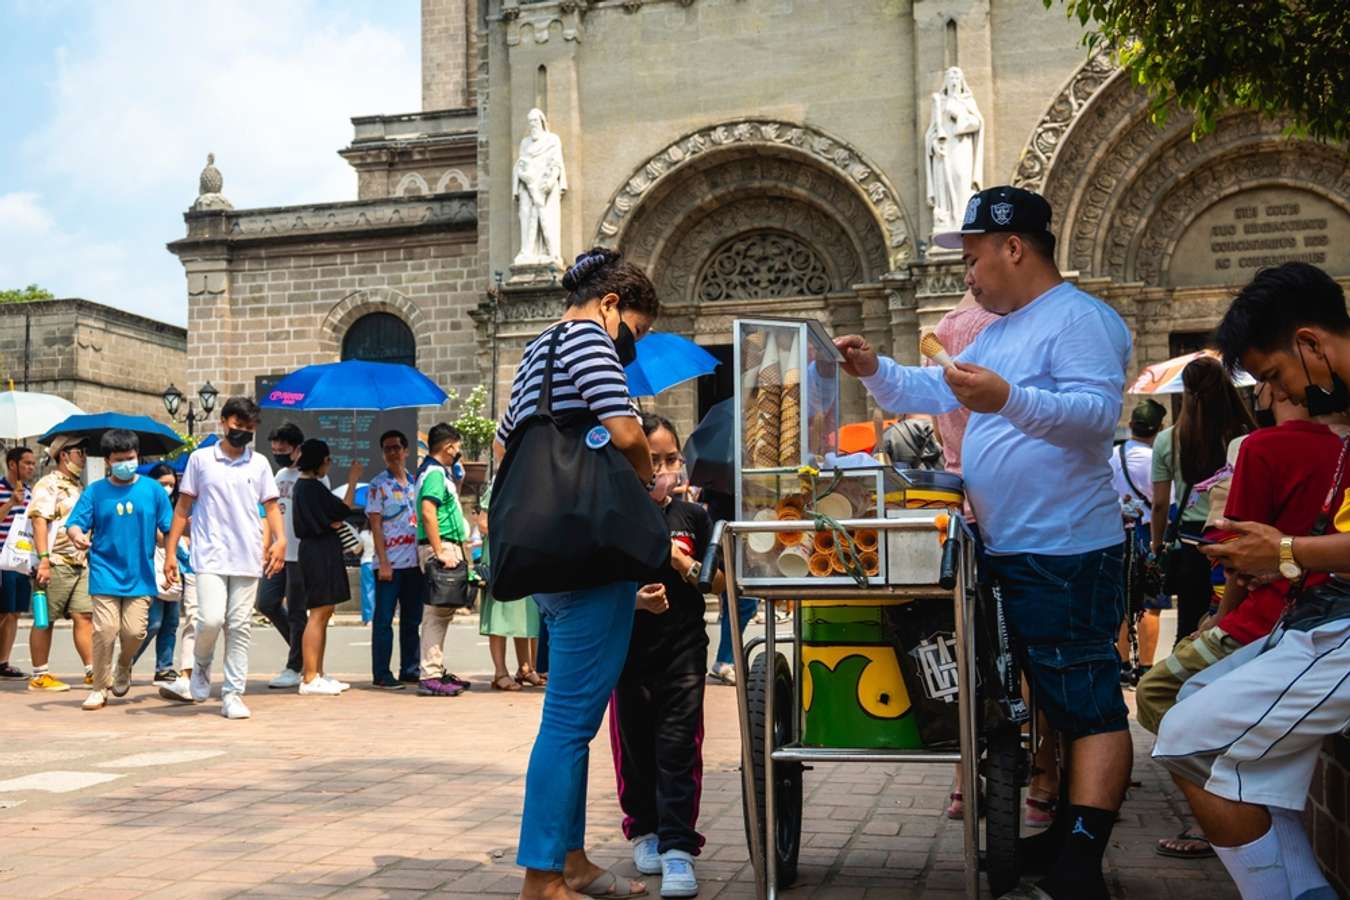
954 147
538 182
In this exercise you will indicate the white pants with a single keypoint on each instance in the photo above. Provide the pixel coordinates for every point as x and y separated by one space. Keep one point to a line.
225 601
187 615
1249 727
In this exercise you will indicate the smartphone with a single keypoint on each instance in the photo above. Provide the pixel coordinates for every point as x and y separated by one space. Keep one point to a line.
1197 541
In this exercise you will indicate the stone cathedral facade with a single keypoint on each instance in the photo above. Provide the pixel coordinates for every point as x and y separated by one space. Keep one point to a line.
756 157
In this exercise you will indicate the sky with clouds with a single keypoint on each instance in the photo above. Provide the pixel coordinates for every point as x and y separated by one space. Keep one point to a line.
111 107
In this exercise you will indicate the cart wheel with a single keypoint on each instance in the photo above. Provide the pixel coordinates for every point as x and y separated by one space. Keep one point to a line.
788 783
1003 776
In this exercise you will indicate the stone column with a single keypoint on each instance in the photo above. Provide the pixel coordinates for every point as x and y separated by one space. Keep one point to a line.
938 287
449 42
904 319
846 316
875 316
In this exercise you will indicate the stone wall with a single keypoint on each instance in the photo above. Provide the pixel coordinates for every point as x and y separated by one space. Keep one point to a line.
1328 812
272 290
100 358
449 54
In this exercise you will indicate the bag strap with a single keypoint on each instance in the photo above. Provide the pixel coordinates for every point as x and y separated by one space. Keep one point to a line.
546 387
1174 522
1125 470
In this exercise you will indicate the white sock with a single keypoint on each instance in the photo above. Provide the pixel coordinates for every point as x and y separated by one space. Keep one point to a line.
1256 868
1300 864
89 670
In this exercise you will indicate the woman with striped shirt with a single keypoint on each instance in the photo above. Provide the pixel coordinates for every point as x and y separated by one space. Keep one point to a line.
611 305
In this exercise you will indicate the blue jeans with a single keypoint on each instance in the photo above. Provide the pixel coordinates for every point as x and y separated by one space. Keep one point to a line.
1064 613
588 632
745 606
406 592
162 628
367 593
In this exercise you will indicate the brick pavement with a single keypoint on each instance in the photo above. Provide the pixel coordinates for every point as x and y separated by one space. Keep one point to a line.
377 795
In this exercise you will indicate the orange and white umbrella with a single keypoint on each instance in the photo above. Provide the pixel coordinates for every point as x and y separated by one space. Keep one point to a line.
1165 377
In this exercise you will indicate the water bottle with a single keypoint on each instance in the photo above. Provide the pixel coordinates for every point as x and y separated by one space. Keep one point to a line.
40 616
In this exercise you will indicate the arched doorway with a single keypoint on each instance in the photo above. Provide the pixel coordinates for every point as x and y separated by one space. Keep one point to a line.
380 337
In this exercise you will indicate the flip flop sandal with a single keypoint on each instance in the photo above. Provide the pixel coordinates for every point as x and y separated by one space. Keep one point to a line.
606 886
508 686
1163 850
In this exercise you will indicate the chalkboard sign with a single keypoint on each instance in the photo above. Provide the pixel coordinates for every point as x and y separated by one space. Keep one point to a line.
348 434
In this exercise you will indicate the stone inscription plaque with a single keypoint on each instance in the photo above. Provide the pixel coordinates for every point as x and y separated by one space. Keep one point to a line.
1230 241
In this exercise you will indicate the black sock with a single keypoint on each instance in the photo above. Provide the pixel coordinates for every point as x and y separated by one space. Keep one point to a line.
1078 871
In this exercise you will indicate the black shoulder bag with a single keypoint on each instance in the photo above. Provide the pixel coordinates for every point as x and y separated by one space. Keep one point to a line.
1330 601
1145 576
568 511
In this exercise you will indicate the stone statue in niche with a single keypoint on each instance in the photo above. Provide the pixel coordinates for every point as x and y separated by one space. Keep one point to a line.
954 146
537 183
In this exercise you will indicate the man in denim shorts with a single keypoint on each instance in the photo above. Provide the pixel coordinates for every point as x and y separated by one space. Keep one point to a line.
1044 385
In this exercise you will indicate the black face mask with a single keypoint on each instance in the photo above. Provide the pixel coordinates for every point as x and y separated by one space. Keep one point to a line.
625 344
1265 418
284 460
455 458
1319 400
239 438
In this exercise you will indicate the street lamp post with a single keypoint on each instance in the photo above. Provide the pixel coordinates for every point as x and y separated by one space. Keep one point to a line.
173 401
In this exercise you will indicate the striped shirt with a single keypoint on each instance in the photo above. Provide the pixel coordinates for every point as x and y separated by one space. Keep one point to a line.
7 491
586 375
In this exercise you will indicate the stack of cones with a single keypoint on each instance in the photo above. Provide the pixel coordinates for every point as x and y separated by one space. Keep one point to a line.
767 410
790 411
752 358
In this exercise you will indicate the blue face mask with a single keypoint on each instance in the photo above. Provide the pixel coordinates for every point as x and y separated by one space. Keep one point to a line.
124 470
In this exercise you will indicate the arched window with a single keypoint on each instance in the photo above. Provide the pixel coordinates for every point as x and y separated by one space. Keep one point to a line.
380 337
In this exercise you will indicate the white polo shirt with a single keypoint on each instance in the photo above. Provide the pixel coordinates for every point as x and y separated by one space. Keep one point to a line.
226 528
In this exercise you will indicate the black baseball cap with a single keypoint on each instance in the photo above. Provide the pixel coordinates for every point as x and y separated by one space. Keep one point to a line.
1003 208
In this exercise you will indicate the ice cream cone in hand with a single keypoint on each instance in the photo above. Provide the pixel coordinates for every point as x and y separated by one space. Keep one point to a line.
932 348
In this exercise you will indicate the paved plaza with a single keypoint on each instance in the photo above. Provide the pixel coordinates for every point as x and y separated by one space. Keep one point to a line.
380 795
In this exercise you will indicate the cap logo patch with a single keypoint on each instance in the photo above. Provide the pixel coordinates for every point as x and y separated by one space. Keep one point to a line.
972 210
1001 213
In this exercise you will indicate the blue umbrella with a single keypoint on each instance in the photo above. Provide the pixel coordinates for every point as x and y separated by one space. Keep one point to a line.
156 439
179 462
354 384
665 360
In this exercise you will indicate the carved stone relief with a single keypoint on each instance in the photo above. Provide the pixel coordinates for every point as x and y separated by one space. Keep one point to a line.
762 264
819 150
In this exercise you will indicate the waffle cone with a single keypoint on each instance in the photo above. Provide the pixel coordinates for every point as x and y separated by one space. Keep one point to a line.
824 541
931 347
820 564
870 562
865 539
764 450
790 426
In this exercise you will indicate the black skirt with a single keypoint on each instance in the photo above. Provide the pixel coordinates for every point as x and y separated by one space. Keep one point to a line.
322 569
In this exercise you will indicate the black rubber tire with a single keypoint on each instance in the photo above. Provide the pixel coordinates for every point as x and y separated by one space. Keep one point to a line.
1004 770
788 781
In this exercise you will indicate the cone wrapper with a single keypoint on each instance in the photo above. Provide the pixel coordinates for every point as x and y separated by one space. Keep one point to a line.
932 348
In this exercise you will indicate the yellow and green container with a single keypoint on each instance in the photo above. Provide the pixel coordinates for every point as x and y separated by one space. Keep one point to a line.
853 692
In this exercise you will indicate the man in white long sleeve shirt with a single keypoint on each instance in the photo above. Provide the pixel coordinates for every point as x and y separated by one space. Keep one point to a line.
1044 384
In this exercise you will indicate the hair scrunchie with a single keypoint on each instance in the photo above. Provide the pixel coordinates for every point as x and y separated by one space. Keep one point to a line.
585 265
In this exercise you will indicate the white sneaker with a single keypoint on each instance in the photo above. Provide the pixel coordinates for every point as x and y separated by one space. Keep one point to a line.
95 700
341 685
677 875
645 855
321 687
178 689
288 678
121 681
232 706
201 682
724 672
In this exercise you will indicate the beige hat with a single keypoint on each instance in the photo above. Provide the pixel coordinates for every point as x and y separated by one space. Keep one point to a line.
63 442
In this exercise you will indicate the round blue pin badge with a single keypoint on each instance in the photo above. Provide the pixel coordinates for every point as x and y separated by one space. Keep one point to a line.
597 437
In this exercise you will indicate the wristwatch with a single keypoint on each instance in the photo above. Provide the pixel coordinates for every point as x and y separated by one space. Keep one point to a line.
1288 567
695 570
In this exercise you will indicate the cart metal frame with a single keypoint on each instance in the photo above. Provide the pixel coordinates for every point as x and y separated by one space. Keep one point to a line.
763 840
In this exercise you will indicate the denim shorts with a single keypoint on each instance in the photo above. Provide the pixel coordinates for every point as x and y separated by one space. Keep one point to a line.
1064 613
15 592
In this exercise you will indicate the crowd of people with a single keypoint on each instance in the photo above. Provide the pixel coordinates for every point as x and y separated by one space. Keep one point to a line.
1239 516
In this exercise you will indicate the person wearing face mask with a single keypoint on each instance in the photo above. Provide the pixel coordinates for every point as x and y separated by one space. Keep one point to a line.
166 611
221 491
656 714
611 304
117 521
1243 740
61 567
443 535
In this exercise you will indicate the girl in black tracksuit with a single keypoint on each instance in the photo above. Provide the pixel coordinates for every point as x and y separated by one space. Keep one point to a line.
656 713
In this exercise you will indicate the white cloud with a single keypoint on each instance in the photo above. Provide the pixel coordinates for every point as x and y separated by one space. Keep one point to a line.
141 97
22 213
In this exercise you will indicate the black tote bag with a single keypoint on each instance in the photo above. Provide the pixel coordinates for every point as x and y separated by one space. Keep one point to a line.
568 515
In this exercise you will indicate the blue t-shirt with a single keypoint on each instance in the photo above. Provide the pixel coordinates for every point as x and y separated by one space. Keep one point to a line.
121 521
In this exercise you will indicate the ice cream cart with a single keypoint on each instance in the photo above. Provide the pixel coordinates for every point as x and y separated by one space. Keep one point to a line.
889 634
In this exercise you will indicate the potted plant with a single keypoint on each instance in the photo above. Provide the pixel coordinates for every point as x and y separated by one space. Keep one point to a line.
477 431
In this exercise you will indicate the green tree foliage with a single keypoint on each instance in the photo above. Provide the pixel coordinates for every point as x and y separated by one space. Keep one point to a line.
26 295
1277 57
